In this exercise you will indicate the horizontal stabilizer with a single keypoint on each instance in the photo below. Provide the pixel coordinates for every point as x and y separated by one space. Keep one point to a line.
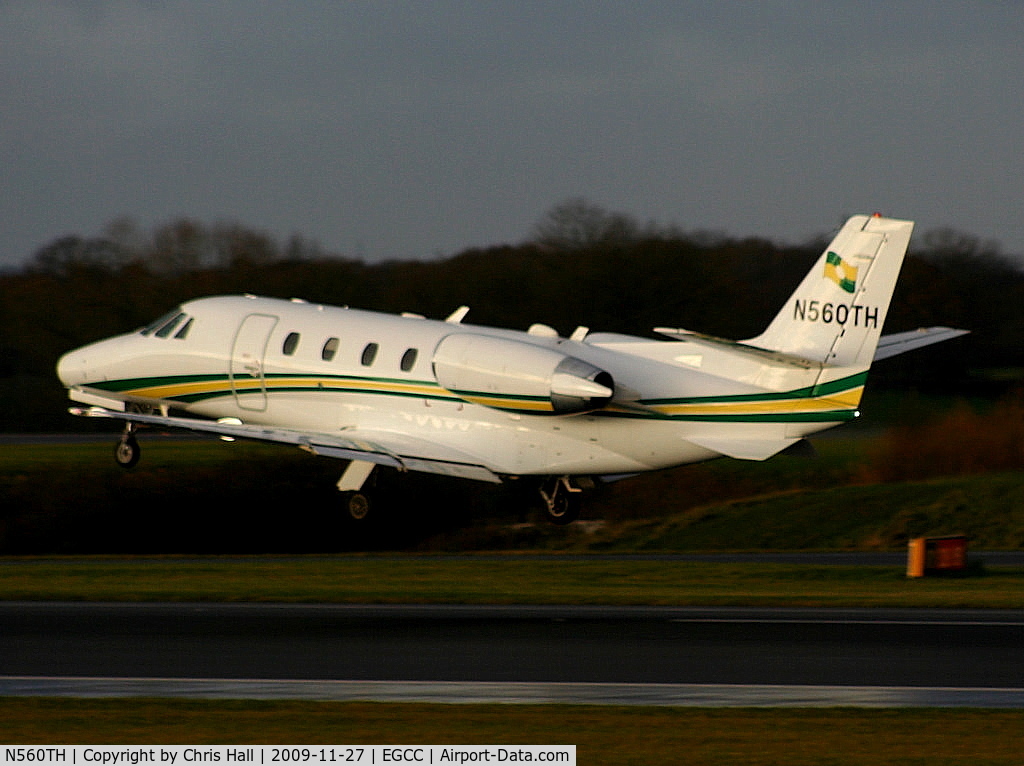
761 354
744 449
901 342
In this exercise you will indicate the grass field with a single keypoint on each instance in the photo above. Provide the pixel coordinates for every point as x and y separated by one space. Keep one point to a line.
604 736
506 579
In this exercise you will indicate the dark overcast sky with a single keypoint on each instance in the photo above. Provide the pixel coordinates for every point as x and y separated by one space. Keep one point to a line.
411 129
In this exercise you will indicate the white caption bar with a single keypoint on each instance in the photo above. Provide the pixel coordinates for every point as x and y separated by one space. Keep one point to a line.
229 755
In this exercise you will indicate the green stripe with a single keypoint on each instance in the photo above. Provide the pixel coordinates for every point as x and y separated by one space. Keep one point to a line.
825 416
251 385
808 392
134 384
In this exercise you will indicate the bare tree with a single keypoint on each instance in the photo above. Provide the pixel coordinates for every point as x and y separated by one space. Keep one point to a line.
180 246
576 224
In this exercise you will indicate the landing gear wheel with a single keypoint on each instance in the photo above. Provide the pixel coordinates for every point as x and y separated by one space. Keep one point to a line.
562 501
564 509
127 452
357 506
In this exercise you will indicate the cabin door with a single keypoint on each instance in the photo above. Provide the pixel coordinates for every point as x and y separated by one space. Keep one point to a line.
247 355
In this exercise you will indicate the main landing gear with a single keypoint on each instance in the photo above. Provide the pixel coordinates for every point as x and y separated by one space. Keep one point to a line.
356 506
356 500
562 499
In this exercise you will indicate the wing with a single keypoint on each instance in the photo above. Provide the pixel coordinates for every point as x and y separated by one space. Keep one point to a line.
901 342
396 450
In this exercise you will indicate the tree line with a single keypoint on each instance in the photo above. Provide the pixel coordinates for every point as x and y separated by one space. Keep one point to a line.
583 265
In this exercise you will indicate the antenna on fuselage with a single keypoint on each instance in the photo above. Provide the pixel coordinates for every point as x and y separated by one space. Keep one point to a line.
458 315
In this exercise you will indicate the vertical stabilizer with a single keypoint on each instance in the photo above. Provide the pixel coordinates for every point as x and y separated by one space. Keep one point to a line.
835 316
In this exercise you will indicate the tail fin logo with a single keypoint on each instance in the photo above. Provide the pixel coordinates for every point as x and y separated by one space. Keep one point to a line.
840 272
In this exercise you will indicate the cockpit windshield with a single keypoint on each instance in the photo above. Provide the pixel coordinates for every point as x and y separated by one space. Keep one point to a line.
176 322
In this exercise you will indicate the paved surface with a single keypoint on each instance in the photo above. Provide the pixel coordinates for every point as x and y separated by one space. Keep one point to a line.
638 655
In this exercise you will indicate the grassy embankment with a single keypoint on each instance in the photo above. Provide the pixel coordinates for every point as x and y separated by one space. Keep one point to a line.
960 472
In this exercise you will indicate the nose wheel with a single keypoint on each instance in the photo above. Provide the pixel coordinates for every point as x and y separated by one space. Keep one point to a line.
127 452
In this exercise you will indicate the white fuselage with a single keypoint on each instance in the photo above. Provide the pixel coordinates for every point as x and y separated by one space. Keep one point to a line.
330 370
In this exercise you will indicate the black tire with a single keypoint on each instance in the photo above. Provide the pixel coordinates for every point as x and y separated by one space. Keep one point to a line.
357 507
127 452
564 508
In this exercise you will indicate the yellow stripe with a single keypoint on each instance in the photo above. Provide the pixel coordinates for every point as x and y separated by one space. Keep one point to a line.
361 385
511 404
841 400
182 389
250 384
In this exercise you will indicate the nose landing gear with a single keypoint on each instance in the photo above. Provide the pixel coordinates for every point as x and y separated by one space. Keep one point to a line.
127 452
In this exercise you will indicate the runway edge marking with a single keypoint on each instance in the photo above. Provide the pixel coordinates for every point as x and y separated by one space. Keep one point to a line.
457 692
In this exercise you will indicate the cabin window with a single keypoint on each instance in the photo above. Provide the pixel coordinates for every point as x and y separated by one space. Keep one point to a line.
369 354
409 359
291 342
329 350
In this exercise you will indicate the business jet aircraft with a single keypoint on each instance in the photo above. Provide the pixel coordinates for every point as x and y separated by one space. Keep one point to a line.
490 404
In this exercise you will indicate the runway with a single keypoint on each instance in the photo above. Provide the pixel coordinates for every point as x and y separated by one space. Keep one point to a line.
581 655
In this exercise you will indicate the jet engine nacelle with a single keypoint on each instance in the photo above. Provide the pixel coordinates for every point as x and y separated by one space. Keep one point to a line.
512 375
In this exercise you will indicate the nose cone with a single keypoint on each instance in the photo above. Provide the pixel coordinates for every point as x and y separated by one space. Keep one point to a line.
72 367
99 361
